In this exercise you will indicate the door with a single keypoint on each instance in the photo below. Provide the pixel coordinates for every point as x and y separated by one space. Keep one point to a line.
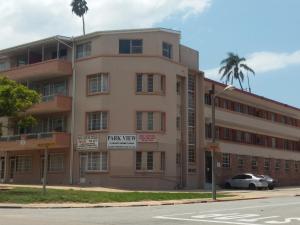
2 169
208 167
12 169
82 167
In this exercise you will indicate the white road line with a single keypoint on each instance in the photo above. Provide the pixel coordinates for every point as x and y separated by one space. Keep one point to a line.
234 209
209 221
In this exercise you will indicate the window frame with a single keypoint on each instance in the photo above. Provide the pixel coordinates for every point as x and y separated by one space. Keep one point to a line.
93 76
101 124
84 53
168 53
131 46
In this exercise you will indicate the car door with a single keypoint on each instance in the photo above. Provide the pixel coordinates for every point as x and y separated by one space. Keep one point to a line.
236 181
247 179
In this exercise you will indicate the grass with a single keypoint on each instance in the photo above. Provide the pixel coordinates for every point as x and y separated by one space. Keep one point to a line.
35 195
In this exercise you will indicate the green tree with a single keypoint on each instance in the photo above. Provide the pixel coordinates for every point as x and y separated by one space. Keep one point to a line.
80 8
15 99
233 68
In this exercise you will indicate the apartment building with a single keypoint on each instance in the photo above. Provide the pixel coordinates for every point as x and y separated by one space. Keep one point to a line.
131 109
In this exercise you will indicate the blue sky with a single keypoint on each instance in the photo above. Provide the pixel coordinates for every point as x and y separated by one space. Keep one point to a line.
266 32
247 27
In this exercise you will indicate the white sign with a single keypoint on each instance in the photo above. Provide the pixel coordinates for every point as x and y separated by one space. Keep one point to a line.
121 141
147 138
87 142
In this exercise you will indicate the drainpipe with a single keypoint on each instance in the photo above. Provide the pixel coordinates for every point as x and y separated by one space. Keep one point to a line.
73 112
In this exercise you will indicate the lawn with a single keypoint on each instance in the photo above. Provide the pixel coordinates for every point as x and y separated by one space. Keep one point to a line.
35 195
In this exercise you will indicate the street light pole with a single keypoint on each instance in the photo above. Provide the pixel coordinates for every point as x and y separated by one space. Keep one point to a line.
213 95
45 169
213 130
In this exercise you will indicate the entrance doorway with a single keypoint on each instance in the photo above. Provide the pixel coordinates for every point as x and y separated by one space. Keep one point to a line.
82 168
12 163
208 167
2 169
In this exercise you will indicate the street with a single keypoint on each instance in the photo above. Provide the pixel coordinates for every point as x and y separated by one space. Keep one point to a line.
280 210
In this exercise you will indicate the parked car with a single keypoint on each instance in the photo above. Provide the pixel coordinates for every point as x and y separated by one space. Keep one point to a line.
247 180
271 182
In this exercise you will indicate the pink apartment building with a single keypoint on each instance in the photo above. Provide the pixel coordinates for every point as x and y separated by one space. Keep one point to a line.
131 109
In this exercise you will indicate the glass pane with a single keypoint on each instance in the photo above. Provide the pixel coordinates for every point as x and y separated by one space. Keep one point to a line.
124 46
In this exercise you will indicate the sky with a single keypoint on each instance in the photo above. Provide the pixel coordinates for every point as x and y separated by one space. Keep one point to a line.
265 32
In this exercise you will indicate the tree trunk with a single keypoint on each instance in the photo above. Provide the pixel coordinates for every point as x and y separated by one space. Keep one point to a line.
249 83
240 83
83 24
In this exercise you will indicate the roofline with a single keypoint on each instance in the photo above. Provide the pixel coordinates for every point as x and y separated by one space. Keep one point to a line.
41 41
126 31
255 95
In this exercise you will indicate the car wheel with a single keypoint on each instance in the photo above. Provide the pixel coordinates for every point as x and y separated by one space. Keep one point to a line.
252 187
271 187
227 185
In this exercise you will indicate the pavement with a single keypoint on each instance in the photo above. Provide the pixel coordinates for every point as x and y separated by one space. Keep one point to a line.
238 195
271 211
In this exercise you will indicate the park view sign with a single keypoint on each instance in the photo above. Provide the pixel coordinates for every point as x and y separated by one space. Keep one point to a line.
121 141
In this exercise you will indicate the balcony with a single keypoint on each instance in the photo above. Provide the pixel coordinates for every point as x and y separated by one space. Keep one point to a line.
34 141
251 123
41 70
52 104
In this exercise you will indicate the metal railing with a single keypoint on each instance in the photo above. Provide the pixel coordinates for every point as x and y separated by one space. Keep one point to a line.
26 137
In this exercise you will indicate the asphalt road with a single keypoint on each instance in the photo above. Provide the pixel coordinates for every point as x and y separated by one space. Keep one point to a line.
247 212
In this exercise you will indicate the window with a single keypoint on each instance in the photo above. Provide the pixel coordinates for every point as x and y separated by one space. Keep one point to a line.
24 163
97 161
139 83
56 162
277 164
150 83
240 162
150 161
97 121
207 99
83 50
50 89
254 163
178 87
267 164
167 50
3 66
131 46
287 165
273 142
226 160
139 121
98 83
178 123
296 166
150 121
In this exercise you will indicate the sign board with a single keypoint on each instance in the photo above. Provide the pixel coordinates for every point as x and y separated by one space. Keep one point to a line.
147 138
121 141
87 142
213 146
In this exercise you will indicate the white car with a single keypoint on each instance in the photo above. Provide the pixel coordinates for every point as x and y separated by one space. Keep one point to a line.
246 180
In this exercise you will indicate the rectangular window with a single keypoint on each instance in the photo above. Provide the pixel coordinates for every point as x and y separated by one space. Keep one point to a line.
167 50
150 83
240 162
254 163
97 121
150 121
98 83
97 161
3 66
134 46
149 160
273 142
162 161
277 164
83 50
287 165
267 164
24 163
56 162
296 166
226 160
178 87
139 83
139 121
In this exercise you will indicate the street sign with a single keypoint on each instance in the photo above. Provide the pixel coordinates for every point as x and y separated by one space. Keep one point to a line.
121 141
213 146
87 142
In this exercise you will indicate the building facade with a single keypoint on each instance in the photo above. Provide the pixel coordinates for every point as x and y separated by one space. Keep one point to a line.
131 109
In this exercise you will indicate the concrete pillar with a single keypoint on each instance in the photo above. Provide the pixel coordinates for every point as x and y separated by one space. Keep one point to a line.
6 167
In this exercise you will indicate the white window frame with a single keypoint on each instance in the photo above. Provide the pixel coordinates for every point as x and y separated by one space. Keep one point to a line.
226 160
103 125
101 83
23 163
56 166
91 163
83 50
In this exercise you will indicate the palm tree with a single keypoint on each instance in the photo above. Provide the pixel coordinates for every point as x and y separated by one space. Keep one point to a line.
233 67
79 7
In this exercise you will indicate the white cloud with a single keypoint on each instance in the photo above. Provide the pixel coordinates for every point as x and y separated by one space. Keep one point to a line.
23 21
264 62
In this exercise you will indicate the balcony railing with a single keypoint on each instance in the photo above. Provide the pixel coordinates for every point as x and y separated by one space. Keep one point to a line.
34 141
52 104
41 70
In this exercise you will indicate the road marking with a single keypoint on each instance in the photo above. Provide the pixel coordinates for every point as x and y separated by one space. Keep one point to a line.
232 218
